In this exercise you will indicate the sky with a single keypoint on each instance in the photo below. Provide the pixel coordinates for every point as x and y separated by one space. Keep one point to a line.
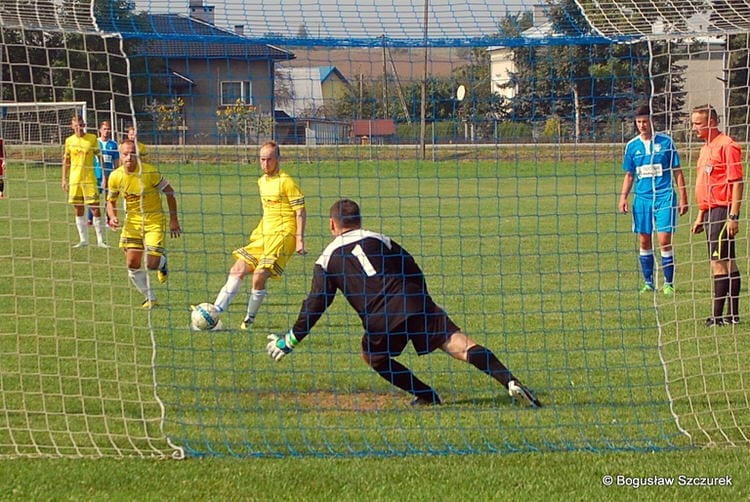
355 19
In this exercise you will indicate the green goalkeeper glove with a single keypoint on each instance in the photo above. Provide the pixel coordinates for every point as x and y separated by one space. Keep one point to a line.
279 346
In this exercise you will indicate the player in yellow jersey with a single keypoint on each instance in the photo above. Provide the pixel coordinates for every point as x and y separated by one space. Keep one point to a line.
279 235
141 185
79 180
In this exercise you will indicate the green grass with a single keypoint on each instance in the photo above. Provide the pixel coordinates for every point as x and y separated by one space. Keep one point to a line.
526 476
528 255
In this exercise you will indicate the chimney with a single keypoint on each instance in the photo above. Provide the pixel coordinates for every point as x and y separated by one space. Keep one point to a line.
239 29
201 12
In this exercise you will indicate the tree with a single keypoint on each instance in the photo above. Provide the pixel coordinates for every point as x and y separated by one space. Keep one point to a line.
481 107
737 86
587 81
240 120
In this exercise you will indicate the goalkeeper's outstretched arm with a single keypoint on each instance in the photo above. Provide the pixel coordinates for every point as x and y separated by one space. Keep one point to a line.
322 293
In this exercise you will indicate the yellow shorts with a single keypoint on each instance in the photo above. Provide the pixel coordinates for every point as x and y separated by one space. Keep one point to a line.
83 193
268 251
148 235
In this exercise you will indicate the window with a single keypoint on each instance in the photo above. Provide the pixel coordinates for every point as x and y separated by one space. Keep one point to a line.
232 90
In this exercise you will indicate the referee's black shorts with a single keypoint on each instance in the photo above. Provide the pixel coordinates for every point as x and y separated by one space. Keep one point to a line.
720 243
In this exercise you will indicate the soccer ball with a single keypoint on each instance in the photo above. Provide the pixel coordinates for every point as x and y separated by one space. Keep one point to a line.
204 317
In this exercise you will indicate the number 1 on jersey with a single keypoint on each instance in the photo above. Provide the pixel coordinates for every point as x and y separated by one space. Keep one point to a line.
363 260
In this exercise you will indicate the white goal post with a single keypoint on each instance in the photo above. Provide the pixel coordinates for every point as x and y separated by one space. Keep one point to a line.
38 122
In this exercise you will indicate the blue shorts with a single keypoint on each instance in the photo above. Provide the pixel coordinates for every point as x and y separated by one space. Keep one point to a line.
659 213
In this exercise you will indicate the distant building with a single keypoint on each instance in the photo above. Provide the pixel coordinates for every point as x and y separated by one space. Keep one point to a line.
206 66
306 98
309 91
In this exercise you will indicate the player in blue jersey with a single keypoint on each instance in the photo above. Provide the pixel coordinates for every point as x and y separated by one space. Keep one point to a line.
110 158
650 163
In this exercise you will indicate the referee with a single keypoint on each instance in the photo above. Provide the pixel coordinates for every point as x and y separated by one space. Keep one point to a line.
718 191
386 287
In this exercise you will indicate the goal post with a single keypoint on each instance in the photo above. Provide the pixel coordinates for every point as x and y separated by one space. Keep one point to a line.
513 214
38 123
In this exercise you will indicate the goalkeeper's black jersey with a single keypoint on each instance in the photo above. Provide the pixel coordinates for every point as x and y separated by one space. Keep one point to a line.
378 277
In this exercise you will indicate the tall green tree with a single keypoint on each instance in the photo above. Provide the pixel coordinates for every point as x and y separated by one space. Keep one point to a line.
589 83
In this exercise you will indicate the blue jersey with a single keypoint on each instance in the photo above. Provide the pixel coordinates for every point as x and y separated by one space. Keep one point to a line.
110 154
651 162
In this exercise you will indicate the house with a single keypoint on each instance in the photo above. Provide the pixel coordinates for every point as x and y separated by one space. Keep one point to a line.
501 58
309 91
207 67
373 131
306 100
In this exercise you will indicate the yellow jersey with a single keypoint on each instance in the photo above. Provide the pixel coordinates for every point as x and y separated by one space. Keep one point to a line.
81 151
281 199
140 189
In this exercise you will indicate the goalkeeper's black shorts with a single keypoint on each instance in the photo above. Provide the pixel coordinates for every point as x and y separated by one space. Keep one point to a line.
427 331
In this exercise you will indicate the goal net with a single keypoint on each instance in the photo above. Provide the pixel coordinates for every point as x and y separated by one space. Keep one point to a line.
486 138
38 123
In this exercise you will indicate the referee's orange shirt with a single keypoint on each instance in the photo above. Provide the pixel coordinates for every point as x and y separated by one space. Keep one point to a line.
719 164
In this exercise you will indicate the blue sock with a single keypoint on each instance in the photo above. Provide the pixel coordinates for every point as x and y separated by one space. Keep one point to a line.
667 264
647 265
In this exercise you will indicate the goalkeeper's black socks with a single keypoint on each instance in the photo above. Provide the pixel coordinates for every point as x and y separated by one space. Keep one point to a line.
483 359
721 290
399 375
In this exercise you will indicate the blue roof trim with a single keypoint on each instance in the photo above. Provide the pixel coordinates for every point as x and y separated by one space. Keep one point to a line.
175 35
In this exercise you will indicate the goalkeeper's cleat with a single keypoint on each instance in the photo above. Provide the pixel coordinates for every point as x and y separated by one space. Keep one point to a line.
519 391
427 399
247 322
80 245
668 290
102 245
149 304
647 288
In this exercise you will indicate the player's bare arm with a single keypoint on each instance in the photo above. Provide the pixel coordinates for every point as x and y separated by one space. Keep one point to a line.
733 224
174 222
627 184
301 215
679 177
65 172
698 223
114 222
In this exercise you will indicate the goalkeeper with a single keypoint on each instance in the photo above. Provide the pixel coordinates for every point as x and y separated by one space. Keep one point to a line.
386 287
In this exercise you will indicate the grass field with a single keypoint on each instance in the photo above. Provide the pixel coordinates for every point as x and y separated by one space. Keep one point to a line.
525 251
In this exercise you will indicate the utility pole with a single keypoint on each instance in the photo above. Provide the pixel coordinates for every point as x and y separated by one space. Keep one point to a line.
385 81
423 106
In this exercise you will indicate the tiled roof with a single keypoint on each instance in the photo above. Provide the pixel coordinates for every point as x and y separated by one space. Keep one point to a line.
175 35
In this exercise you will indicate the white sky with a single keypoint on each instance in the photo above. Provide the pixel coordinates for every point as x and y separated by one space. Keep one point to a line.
355 19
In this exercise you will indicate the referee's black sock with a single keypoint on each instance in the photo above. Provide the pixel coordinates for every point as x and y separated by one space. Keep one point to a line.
721 289
399 375
483 359
735 286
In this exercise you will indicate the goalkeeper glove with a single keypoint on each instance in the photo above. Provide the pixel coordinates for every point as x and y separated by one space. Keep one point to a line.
279 346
